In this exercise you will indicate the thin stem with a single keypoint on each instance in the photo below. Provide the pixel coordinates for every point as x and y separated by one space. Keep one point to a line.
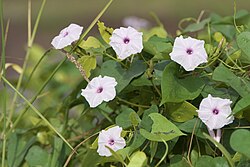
186 20
91 26
157 20
3 70
36 95
34 69
155 87
29 20
190 143
117 60
236 27
37 112
229 57
72 153
200 16
132 104
165 154
30 42
37 23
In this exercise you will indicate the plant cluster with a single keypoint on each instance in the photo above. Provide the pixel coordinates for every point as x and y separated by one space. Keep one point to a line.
144 98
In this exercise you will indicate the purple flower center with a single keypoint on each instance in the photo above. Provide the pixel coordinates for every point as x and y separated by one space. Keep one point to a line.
189 51
65 34
126 40
215 111
99 90
111 142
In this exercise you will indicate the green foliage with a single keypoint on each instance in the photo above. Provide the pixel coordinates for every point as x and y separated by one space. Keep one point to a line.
162 129
88 63
105 32
240 141
178 90
138 159
156 100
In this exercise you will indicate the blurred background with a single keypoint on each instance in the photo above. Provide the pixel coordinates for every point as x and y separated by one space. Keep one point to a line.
60 13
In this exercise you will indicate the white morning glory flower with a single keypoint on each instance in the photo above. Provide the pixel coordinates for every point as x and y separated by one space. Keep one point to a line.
100 89
126 41
112 139
67 36
188 52
215 113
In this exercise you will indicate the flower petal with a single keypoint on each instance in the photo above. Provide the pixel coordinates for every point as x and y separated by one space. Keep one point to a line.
122 49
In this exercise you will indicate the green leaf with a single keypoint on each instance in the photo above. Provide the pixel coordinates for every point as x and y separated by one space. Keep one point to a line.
178 161
123 77
17 149
162 129
197 26
117 156
138 140
240 85
91 158
134 118
204 161
207 161
221 148
88 63
123 119
105 32
153 148
181 112
91 42
37 157
194 156
159 47
242 104
215 91
227 30
59 153
234 56
243 41
158 31
240 141
178 90
188 127
138 159
147 122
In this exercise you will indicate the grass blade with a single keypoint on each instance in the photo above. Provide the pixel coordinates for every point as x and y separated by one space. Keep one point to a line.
36 111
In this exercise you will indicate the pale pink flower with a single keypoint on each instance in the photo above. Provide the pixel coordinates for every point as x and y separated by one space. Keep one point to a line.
100 89
110 138
215 113
126 41
188 52
67 36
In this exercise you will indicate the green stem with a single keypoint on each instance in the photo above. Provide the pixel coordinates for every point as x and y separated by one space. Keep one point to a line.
37 112
222 149
91 26
236 27
34 69
113 58
3 61
132 104
72 153
165 154
30 43
156 18
229 57
36 95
